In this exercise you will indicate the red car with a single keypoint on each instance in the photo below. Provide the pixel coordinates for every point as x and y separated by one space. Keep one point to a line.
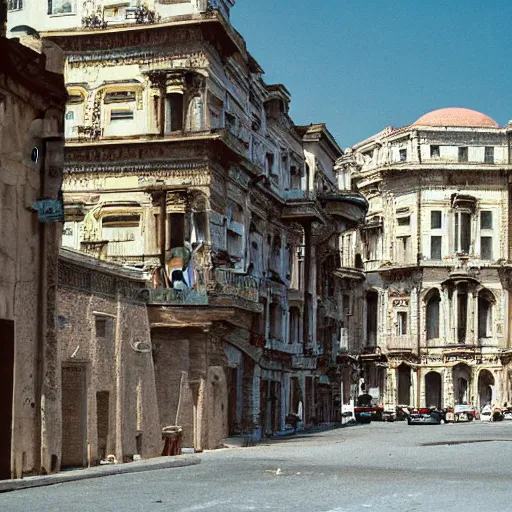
365 410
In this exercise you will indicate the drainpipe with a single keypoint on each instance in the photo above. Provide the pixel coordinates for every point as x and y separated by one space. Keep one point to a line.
307 267
419 256
42 324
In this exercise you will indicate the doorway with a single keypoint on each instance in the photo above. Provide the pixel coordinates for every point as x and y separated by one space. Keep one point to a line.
486 386
102 414
461 383
7 387
74 416
404 384
433 387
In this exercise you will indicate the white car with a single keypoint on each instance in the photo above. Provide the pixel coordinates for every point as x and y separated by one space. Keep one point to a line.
486 414
507 414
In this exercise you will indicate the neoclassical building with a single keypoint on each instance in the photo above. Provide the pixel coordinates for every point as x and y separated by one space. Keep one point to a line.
183 163
435 247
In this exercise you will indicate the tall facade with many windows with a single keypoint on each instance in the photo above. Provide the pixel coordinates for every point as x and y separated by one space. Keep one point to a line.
436 251
182 162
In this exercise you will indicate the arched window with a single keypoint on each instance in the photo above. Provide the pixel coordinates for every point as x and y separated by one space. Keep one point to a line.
432 320
485 303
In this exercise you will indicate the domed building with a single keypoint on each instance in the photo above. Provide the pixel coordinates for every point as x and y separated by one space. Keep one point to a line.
436 250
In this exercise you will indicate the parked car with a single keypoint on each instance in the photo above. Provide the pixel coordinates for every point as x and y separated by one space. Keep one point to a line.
486 414
425 416
389 416
497 414
507 413
465 412
366 411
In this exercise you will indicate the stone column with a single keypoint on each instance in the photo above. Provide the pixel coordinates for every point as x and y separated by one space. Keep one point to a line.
444 316
448 387
475 318
390 393
470 319
421 384
455 310
414 387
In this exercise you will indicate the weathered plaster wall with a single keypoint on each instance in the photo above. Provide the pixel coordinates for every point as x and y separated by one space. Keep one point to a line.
119 362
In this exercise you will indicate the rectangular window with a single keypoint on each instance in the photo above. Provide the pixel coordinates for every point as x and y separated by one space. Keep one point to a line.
489 155
14 5
435 219
462 232
436 247
404 221
61 6
485 220
119 96
116 221
486 247
403 244
463 154
173 113
121 115
435 152
176 237
101 327
270 163
403 155
401 323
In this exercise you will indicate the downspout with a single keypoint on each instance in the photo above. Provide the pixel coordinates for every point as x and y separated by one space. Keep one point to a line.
418 300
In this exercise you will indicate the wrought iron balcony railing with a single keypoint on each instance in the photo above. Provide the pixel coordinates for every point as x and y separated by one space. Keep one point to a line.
224 282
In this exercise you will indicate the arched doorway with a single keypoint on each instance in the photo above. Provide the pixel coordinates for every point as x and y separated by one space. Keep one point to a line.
486 388
433 389
461 383
404 384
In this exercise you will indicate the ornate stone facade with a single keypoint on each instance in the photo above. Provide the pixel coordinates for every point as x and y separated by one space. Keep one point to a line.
435 248
182 162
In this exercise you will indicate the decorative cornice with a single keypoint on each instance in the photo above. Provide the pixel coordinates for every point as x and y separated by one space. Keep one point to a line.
27 68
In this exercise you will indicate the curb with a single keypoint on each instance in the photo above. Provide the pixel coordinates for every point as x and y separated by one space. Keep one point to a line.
97 472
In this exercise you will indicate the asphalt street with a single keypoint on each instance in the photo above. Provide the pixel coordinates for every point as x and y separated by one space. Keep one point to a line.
381 466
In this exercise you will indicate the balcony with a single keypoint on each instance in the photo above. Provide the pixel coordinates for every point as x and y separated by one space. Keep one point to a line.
232 284
277 290
331 308
219 291
295 297
303 362
404 344
174 297
302 205
349 206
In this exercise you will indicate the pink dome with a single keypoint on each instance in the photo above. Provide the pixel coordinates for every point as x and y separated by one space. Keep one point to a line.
456 117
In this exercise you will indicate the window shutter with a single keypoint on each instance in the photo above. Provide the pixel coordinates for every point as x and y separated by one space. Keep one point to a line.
49 6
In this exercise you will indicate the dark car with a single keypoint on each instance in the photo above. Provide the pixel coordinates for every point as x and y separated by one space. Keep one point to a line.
425 417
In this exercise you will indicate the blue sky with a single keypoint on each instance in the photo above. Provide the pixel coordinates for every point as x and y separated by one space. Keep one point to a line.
362 65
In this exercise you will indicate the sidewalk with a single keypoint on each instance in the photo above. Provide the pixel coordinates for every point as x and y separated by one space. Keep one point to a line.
246 441
99 471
